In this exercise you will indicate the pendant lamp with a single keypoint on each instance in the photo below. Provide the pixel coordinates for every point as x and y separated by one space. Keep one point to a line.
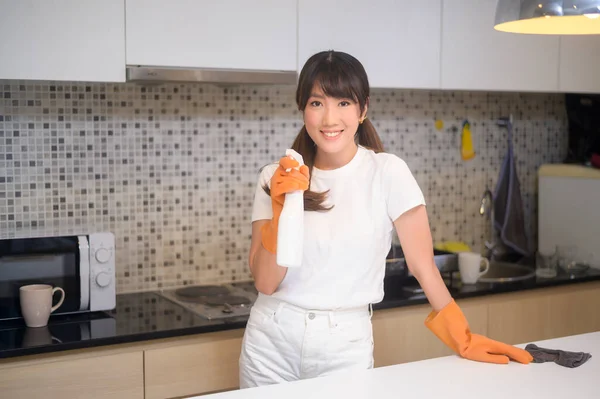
548 17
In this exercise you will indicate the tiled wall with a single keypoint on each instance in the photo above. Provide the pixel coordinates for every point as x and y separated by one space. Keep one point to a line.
171 169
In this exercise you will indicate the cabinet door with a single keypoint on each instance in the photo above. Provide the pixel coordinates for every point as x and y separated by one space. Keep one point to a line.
545 314
81 40
104 376
519 319
208 365
400 334
233 34
576 311
579 64
476 57
397 41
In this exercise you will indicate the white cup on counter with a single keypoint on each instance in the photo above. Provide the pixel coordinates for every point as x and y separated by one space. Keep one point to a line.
469 265
36 303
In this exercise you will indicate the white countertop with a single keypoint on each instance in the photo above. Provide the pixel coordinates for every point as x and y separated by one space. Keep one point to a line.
451 377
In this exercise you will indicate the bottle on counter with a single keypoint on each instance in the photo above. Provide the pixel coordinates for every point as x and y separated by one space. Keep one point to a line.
290 233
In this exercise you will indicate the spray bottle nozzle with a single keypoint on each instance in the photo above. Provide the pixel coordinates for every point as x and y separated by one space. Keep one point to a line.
293 154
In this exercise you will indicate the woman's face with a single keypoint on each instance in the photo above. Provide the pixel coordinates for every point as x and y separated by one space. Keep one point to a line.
332 122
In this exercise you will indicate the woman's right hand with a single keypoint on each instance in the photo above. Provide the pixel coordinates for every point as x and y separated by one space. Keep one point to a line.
283 182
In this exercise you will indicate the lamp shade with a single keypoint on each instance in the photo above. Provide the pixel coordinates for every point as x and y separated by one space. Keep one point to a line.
548 17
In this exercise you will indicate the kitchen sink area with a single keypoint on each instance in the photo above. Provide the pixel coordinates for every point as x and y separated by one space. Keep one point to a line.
505 272
504 275
500 271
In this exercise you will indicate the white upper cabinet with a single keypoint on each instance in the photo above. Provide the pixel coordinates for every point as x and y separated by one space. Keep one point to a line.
580 64
476 57
81 40
397 41
232 34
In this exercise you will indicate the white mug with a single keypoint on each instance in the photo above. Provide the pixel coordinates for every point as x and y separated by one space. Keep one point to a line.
36 303
469 264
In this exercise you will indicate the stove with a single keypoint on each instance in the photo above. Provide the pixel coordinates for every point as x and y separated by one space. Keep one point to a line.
214 301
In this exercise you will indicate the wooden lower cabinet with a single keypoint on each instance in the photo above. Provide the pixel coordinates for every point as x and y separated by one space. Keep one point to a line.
579 310
206 363
523 317
118 375
400 334
544 313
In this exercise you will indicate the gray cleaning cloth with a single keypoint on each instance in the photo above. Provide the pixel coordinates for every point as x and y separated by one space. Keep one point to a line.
560 357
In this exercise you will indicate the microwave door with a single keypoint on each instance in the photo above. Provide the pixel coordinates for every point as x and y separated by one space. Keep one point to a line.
84 272
48 260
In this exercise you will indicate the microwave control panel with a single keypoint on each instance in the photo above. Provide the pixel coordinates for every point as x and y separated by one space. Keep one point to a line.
102 271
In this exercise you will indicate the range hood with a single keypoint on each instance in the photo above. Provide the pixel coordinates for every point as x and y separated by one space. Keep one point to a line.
150 74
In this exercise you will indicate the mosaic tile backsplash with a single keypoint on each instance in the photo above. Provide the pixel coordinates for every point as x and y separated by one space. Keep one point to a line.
171 169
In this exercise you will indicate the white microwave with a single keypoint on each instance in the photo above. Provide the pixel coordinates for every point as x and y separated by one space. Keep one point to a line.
568 209
82 265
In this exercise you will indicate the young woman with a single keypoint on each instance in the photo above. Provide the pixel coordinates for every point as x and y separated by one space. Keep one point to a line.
315 320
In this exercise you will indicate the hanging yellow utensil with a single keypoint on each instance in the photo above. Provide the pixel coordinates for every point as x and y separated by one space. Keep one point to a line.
466 151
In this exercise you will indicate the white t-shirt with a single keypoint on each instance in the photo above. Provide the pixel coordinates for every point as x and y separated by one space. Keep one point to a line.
345 248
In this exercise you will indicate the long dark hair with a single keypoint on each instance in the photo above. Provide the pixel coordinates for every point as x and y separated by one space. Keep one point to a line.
340 75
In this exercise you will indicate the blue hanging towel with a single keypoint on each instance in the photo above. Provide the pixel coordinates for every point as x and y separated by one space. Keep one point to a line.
509 215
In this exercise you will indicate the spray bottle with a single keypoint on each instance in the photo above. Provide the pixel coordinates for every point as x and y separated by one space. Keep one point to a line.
290 233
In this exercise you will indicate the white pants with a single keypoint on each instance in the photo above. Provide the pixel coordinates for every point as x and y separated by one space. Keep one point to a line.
283 342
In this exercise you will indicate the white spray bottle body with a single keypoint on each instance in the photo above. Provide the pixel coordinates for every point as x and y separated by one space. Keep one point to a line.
290 231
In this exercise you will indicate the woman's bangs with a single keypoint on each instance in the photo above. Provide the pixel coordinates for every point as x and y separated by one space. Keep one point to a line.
336 83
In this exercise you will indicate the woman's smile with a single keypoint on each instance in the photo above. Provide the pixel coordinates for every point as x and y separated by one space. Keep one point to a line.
332 134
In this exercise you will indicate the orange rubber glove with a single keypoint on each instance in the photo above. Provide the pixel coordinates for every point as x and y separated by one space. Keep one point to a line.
451 327
282 183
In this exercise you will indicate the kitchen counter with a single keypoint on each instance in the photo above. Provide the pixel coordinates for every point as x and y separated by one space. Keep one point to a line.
147 316
395 296
452 377
137 317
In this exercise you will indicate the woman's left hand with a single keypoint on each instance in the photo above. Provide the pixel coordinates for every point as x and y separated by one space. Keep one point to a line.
451 327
